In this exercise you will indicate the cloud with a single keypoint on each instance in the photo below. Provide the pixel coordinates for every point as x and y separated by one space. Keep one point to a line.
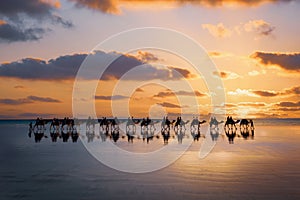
43 99
59 20
19 14
61 68
289 109
226 75
29 7
109 98
12 33
289 104
184 72
34 115
252 104
169 105
260 27
105 6
66 67
169 93
253 73
113 6
147 57
29 99
139 90
286 61
19 87
218 54
218 30
265 93
293 90
241 92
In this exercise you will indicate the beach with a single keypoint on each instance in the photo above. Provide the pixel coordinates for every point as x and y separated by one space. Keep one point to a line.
266 167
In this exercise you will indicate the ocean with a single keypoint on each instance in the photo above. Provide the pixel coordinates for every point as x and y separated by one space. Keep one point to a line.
263 167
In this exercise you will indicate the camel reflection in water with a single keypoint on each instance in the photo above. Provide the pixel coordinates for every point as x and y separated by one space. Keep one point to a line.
246 127
195 128
104 129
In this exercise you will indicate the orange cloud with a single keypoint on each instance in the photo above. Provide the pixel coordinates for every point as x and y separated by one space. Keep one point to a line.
261 27
218 30
2 22
113 6
54 3
226 75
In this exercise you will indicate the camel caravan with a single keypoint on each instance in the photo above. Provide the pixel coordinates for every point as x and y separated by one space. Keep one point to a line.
145 129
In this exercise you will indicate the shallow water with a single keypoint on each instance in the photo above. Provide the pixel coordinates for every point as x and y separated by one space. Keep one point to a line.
266 167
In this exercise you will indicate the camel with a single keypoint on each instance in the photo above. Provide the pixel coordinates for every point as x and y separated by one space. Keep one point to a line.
214 123
40 124
68 124
166 124
130 125
230 129
195 124
180 124
55 124
115 124
90 124
104 125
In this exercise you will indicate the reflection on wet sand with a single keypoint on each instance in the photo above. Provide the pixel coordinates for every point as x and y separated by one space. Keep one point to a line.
109 129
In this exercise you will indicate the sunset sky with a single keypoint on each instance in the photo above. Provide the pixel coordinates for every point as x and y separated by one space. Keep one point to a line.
253 44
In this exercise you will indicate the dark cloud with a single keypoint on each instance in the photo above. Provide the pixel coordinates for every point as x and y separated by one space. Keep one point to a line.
286 61
43 99
113 7
293 90
181 72
66 67
33 8
11 33
288 109
109 98
265 93
169 93
35 115
19 87
226 75
15 101
29 99
169 105
17 13
289 104
139 90
59 20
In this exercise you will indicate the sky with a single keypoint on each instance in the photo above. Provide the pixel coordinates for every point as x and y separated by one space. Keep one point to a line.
250 47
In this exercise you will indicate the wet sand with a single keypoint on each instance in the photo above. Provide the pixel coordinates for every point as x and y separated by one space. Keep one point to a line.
266 167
